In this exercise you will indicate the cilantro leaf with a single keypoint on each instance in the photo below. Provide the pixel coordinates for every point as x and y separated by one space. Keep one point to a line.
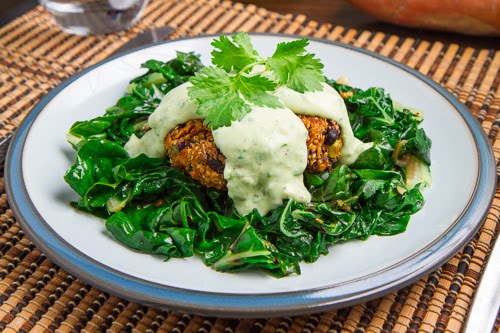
293 48
217 99
307 76
255 89
235 54
223 110
243 40
209 83
292 67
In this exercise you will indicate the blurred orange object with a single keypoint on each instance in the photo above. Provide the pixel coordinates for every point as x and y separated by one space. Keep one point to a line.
471 17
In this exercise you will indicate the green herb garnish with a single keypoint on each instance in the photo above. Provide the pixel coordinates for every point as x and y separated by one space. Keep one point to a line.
224 93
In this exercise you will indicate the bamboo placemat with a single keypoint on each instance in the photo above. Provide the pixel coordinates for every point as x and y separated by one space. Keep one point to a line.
38 296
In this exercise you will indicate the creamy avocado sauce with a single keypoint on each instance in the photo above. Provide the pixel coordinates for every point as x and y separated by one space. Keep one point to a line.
326 104
175 108
266 152
266 156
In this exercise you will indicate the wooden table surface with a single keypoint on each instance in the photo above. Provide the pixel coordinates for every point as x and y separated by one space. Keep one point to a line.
333 11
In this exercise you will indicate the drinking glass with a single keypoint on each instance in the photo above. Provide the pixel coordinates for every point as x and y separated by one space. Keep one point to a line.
88 17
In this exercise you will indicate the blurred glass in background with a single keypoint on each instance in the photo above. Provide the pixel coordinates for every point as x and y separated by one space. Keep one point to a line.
88 17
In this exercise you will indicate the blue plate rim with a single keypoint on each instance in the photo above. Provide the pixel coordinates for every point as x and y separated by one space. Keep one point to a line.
244 305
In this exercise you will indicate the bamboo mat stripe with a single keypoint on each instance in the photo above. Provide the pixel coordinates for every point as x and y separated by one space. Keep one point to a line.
38 296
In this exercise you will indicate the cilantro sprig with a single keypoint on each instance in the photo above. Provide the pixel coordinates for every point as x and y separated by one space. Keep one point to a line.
295 68
225 92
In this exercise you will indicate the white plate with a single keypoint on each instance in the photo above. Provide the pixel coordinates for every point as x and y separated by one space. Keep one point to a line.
463 171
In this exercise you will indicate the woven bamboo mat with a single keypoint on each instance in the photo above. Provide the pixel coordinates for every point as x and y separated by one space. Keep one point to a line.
38 296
